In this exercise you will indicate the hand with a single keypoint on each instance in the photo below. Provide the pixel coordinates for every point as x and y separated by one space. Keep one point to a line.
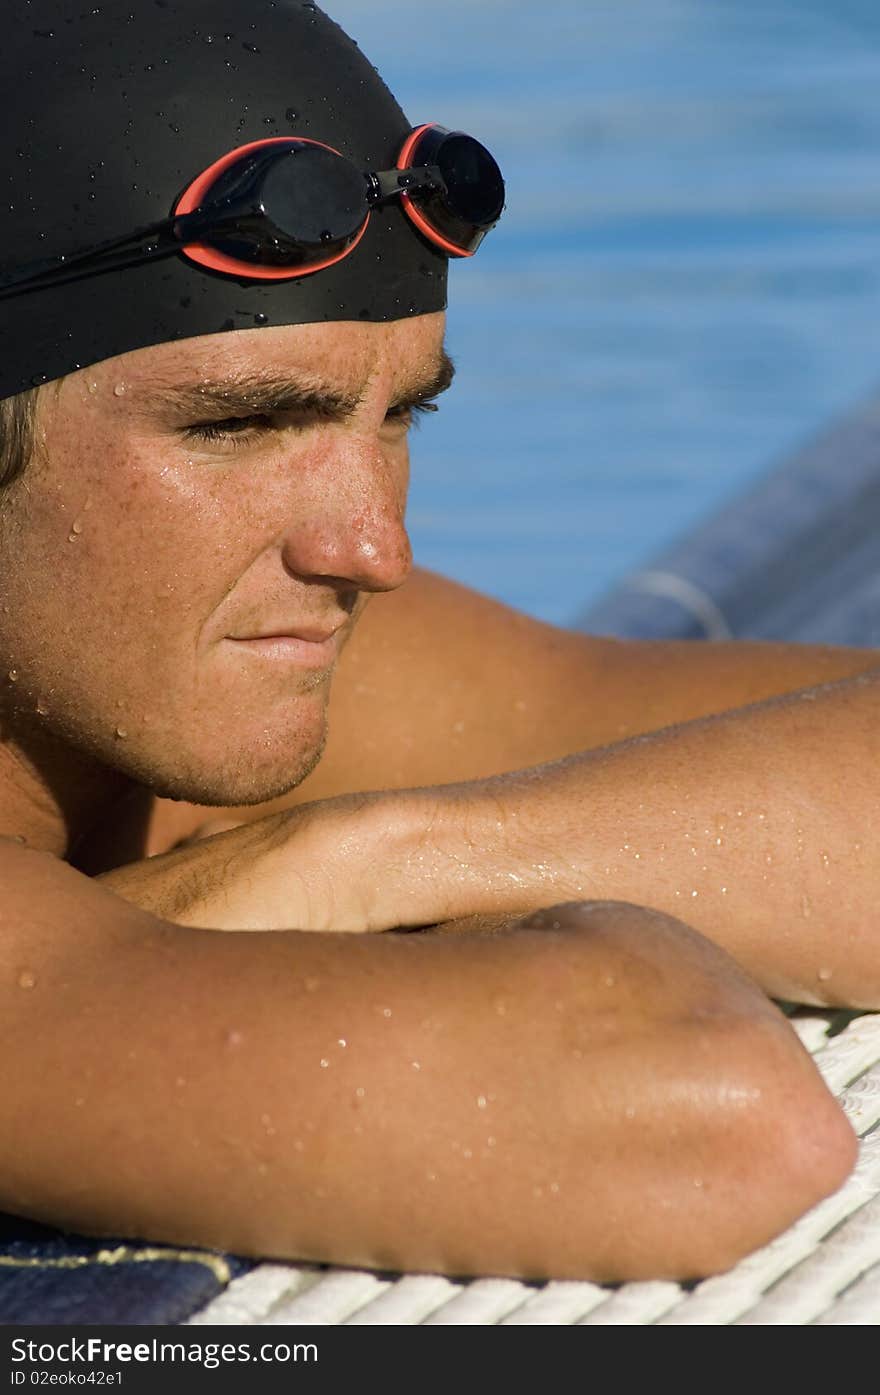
337 864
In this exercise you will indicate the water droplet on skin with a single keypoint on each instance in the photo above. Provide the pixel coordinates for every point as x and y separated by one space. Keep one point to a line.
698 1181
416 1065
386 1012
27 979
120 390
324 1063
72 537
360 1092
93 388
121 733
41 707
12 675
806 906
481 1101
341 1041
824 975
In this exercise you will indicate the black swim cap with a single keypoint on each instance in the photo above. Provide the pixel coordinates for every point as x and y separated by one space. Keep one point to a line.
111 110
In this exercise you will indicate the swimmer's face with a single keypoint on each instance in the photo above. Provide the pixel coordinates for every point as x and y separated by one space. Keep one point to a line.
189 549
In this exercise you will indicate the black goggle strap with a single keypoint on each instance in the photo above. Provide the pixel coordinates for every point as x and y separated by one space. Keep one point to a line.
159 240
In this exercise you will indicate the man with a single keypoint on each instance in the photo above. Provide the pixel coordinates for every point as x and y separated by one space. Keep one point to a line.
195 521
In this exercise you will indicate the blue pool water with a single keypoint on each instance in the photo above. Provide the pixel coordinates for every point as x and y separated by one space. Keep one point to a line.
686 282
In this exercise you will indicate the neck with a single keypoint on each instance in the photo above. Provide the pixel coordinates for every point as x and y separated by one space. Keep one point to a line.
52 796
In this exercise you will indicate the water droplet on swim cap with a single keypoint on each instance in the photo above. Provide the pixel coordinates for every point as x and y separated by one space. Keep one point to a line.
114 70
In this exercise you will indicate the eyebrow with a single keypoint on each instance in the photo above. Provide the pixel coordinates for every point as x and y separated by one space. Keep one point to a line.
245 395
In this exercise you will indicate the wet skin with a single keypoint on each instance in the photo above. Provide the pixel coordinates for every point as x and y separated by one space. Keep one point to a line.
200 545
140 562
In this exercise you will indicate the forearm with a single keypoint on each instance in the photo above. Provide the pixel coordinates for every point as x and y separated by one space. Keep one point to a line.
756 826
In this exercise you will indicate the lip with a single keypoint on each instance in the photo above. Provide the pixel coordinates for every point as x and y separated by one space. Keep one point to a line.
306 648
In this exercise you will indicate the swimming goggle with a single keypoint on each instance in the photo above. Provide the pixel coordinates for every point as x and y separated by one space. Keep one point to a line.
286 207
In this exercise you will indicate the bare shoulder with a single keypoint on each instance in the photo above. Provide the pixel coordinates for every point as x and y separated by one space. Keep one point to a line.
450 684
440 683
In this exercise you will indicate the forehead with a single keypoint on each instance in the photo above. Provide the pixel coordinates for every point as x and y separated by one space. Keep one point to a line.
344 354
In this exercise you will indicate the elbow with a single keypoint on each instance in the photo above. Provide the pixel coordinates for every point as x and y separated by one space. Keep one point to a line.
776 1143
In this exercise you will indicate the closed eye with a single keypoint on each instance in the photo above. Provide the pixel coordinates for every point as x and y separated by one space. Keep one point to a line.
409 412
229 429
234 429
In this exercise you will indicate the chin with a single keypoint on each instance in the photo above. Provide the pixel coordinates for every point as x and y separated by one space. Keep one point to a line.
248 784
244 773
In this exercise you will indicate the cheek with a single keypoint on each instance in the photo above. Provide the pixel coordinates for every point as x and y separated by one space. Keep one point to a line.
117 547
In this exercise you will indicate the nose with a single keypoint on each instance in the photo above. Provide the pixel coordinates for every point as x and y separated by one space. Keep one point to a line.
348 524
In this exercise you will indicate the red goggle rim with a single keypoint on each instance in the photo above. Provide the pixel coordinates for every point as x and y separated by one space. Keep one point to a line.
412 212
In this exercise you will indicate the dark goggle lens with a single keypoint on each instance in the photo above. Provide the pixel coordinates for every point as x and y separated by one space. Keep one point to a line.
473 199
291 205
475 189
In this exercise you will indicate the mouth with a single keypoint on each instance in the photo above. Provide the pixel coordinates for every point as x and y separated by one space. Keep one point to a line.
305 648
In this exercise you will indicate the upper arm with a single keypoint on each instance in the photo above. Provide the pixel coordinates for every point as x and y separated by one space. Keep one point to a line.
405 1101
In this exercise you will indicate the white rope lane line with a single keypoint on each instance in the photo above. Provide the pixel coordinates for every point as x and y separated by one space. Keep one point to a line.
825 1269
691 598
